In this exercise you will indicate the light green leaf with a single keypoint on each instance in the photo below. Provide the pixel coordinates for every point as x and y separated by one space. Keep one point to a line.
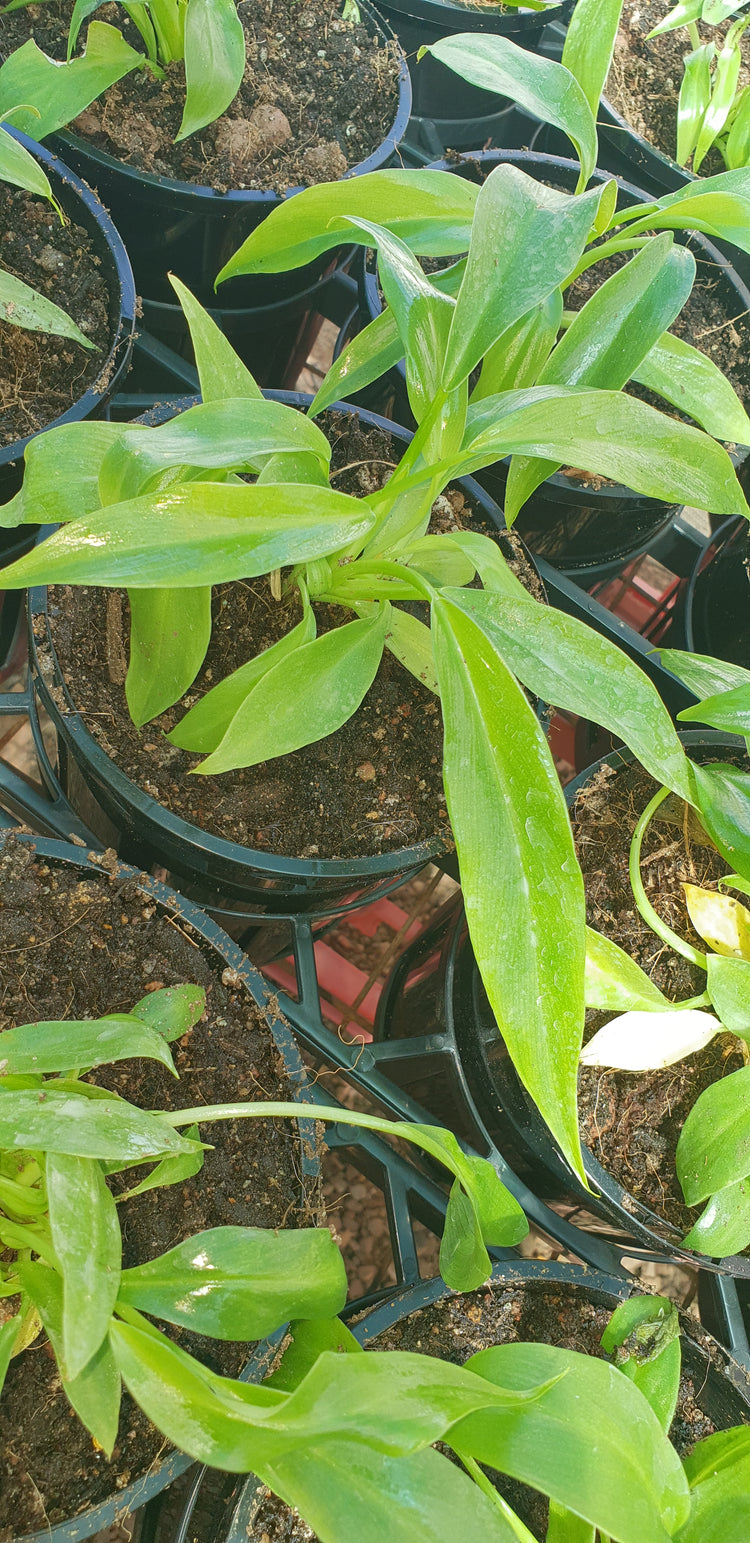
722 96
19 166
214 61
308 1338
85 1232
590 44
59 1047
723 1228
72 1124
59 92
692 382
95 1393
170 630
703 674
737 147
729 990
169 1170
172 1010
729 710
8 1335
515 360
719 205
411 642
644 1336
565 1527
22 306
724 807
522 885
719 1473
714 1146
681 16
220 370
694 97
61 478
614 980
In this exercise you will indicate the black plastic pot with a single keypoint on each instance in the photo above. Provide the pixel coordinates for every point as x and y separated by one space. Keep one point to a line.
122 815
717 601
623 151
228 956
586 531
82 206
209 1507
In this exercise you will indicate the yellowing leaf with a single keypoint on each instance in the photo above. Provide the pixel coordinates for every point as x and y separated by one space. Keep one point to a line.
722 922
645 1041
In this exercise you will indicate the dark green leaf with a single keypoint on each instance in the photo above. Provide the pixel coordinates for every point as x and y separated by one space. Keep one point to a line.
58 1047
95 1394
214 61
515 360
723 1228
86 1235
59 92
62 1121
714 1146
172 1010
170 630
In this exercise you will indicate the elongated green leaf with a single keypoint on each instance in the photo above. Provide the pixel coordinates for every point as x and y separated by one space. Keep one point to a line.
431 211
515 360
95 1393
81 12
286 710
22 306
61 478
644 1336
170 630
590 45
480 1211
411 642
724 803
719 1473
714 1146
544 233
723 1228
565 1527
614 980
522 886
592 1442
204 726
200 533
59 92
682 14
693 101
214 61
716 1453
308 1338
729 989
728 710
18 166
722 96
737 147
169 1170
719 205
60 1121
220 371
236 433
172 1010
561 660
57 1047
703 674
240 1282
692 382
86 1236
8 1335
543 87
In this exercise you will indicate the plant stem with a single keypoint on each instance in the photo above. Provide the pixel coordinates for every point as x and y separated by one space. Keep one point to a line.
482 1482
596 254
639 894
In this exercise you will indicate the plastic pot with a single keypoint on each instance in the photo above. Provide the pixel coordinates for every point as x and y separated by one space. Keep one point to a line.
586 531
717 601
227 956
221 1508
122 815
626 152
83 207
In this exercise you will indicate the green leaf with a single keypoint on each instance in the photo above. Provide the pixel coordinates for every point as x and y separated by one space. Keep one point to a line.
592 1442
717 1453
723 1228
204 726
220 371
544 88
411 642
564 1526
737 148
289 709
60 1121
561 660
308 1338
431 211
214 61
702 674
614 980
714 1146
8 1335
61 478
86 1236
643 1334
728 709
58 1047
170 630
694 97
693 383
522 885
724 804
590 45
95 1393
200 533
22 306
719 205
19 166
544 233
365 358
719 1473
172 1010
233 434
240 1282
59 92
729 990
722 96
81 12
683 13
169 1170
515 360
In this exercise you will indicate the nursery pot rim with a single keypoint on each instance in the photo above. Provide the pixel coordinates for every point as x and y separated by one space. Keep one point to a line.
124 294
238 197
443 13
718 539
138 1491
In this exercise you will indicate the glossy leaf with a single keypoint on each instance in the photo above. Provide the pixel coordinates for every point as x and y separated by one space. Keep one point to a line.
714 1146
61 476
515 360
200 533
544 233
614 980
411 642
737 148
284 712
722 922
544 88
648 1041
643 1334
172 1010
95 1393
19 167
170 630
723 1228
592 1442
719 1473
589 45
724 803
729 990
729 710
168 1171
22 306
214 61
693 100
522 886
725 79
307 1339
703 674
431 211
719 205
59 92
220 370
692 382
240 1283
60 1121
58 1047
86 1236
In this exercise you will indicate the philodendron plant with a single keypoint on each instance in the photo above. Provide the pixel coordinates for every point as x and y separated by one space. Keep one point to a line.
20 305
61 1136
650 1032
207 36
148 507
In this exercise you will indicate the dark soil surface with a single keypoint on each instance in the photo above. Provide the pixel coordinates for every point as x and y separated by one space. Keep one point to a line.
318 96
645 77
41 376
631 1121
80 945
373 786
